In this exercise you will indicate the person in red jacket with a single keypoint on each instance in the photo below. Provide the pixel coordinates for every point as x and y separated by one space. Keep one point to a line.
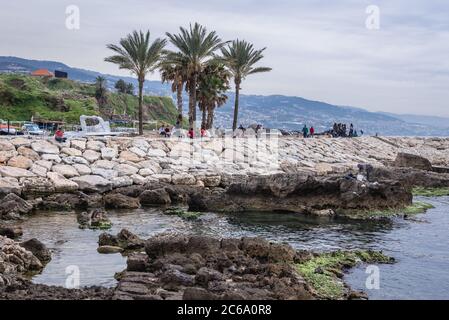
59 135
312 131
191 133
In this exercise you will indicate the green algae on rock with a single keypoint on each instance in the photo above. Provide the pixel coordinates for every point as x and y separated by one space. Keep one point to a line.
431 192
182 213
324 272
417 207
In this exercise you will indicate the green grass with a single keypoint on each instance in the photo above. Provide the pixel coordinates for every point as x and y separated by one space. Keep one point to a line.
431 192
22 97
323 273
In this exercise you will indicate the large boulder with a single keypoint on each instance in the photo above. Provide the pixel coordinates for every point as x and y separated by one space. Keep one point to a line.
39 250
126 170
91 155
12 172
44 147
407 160
65 170
158 197
9 185
93 183
60 183
13 204
11 231
28 153
6 146
120 201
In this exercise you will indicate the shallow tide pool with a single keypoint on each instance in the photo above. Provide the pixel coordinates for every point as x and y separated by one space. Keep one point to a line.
420 245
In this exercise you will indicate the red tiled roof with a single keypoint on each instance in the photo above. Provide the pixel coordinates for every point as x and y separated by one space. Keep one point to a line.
42 73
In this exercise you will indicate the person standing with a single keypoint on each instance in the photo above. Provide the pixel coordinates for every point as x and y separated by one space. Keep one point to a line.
305 131
312 131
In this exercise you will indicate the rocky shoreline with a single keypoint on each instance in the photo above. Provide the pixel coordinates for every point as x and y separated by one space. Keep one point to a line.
314 177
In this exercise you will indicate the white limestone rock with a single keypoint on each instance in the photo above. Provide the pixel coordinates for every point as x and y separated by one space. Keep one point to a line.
9 185
184 179
20 162
93 183
51 157
72 152
46 147
138 179
12 172
105 173
109 153
104 164
125 170
91 156
82 169
78 144
60 183
120 182
6 145
39 170
130 156
75 160
65 170
21 142
95 145
29 153
44 163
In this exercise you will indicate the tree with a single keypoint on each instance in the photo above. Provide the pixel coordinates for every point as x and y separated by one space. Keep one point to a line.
240 58
137 54
120 85
124 89
213 83
195 48
101 92
176 73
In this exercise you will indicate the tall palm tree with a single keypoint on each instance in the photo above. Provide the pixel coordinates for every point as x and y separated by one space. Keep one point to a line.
213 83
195 47
137 54
240 57
177 75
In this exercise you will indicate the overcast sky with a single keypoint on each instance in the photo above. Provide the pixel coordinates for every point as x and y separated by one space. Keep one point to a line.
318 49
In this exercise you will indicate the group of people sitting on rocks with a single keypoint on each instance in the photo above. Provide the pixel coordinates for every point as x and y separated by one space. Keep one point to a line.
340 130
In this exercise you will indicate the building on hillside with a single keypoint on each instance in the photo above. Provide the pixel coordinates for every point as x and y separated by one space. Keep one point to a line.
61 74
44 73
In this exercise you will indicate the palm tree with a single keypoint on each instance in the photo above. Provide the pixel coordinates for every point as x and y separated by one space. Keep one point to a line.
137 54
240 58
213 83
195 47
177 75
101 92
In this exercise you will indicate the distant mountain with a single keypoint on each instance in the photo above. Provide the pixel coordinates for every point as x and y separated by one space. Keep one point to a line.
439 122
282 112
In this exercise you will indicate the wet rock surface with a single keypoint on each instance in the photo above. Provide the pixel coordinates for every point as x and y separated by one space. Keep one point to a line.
176 267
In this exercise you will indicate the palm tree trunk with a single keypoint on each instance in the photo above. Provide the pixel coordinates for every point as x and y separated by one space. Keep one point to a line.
204 116
179 97
192 102
141 106
236 107
210 117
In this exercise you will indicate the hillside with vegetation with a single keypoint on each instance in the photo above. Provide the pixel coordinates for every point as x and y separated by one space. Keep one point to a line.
23 97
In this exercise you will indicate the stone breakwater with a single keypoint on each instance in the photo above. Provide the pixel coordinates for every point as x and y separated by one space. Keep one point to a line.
102 164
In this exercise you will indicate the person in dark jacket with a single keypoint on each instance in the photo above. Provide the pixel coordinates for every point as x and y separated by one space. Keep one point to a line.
305 131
